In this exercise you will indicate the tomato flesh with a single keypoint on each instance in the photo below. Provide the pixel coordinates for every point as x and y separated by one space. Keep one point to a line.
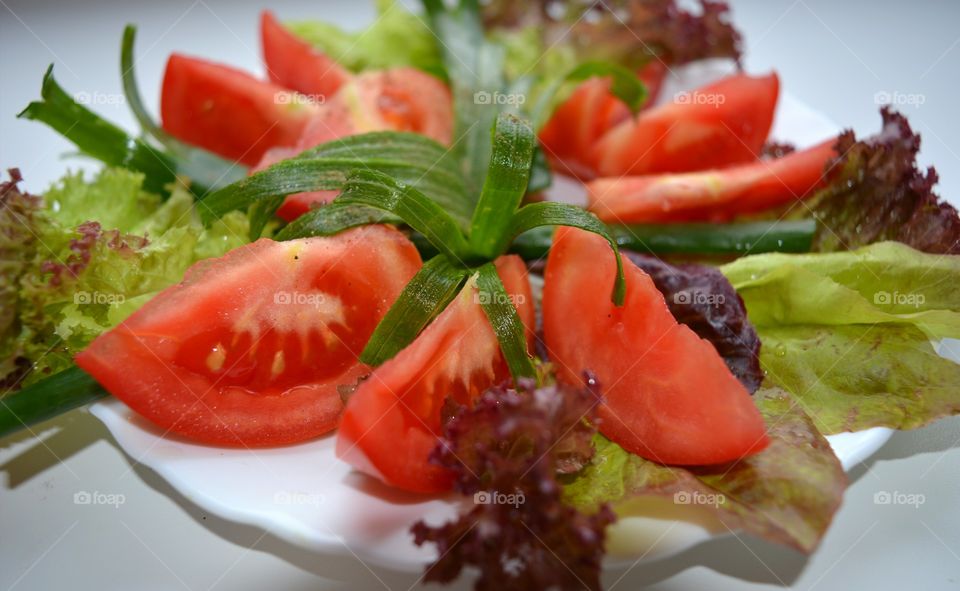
402 99
293 63
668 396
391 423
227 111
718 125
716 195
571 132
576 125
250 348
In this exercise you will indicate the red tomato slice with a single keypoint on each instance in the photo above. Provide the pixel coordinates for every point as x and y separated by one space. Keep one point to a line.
668 396
249 349
579 122
716 195
391 423
403 99
718 125
229 112
295 64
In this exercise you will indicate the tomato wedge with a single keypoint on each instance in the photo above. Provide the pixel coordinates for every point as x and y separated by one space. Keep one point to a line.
668 396
718 125
391 423
716 195
293 63
576 125
229 112
249 349
579 122
403 99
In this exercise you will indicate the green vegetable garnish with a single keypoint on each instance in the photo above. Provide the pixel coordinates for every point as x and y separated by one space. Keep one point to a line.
69 389
80 277
849 333
740 238
408 157
98 138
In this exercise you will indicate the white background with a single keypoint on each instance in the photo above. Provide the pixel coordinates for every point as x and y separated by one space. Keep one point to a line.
834 56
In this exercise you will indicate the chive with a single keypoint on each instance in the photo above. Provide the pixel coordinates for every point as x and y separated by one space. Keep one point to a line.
69 389
548 213
375 189
698 239
475 70
409 157
205 170
428 293
332 219
510 330
505 185
97 137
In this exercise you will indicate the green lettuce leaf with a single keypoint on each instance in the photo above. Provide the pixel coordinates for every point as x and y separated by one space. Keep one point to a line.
849 333
18 244
396 38
787 493
102 248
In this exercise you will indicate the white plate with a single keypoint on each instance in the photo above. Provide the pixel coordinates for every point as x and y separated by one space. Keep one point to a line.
304 495
307 497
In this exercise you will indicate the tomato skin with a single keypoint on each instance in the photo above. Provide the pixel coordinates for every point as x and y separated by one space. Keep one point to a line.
227 111
718 125
391 423
668 396
576 124
249 349
716 195
571 133
295 64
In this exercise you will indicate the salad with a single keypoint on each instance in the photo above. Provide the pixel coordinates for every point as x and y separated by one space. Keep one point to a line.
365 246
